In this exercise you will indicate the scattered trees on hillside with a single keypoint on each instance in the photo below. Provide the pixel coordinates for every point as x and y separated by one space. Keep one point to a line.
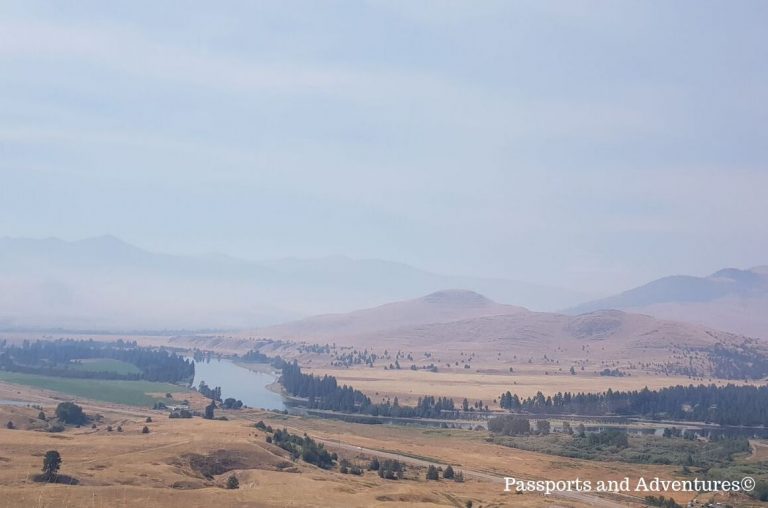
391 469
230 403
207 391
302 446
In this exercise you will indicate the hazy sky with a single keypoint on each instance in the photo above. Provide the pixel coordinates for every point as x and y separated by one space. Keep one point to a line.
582 144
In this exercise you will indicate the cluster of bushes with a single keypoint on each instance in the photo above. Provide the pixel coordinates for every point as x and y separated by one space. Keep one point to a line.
180 413
255 356
664 502
509 425
263 426
433 473
346 467
304 446
389 469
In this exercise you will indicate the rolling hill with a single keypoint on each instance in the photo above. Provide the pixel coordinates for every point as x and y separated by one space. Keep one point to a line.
729 299
457 320
439 307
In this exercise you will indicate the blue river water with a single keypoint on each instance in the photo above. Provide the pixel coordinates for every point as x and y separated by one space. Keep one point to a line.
239 383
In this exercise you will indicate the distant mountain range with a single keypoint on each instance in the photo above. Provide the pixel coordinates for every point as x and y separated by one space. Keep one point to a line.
730 299
104 283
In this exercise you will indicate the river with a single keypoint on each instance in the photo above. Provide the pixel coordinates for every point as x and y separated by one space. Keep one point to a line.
239 383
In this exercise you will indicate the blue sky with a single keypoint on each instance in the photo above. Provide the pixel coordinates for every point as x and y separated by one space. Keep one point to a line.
592 145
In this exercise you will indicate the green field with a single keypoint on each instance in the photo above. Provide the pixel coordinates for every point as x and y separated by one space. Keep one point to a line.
105 365
108 390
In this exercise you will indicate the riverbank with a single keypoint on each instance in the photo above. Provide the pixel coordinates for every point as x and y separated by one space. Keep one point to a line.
265 368
253 383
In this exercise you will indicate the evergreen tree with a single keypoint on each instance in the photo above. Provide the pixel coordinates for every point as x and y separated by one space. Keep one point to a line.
69 412
209 410
51 464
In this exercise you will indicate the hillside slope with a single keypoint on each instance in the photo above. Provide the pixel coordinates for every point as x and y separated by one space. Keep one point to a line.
729 299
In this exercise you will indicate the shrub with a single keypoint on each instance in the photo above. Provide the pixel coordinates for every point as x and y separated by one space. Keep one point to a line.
509 425
56 427
69 412
145 430
233 482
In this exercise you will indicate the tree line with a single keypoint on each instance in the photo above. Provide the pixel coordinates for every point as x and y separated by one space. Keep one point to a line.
54 358
722 405
325 393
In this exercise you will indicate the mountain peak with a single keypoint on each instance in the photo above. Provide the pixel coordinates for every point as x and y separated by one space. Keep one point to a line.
463 297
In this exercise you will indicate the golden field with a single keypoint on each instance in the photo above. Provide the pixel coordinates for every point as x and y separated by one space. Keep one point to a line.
166 467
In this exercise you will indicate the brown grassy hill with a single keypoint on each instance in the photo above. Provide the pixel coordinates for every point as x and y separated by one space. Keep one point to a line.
729 299
612 331
449 327
439 307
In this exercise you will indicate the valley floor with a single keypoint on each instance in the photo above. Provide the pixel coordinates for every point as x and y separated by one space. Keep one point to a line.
168 466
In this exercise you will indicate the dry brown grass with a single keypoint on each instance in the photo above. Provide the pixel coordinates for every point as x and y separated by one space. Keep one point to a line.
408 385
185 463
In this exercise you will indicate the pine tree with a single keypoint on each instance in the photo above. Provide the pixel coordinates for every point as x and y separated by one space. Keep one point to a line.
51 464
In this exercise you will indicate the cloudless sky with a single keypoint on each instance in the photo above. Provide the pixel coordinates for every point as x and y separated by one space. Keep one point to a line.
591 145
